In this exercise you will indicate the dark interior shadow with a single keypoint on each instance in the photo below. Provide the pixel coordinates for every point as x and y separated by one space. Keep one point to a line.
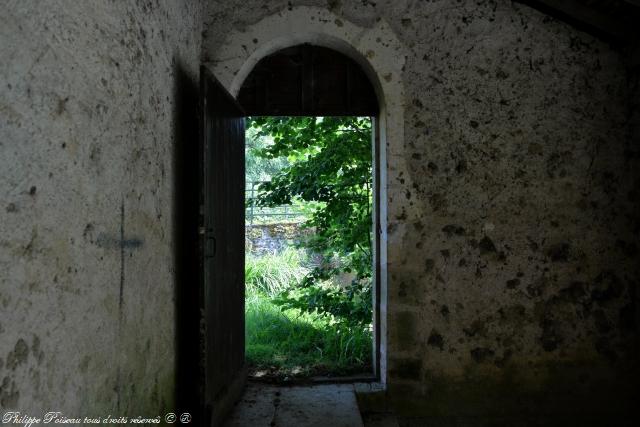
186 195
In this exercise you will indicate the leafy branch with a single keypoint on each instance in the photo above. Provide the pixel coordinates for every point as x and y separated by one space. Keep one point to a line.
328 166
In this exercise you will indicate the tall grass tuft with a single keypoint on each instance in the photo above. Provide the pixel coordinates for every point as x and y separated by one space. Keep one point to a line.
271 274
291 341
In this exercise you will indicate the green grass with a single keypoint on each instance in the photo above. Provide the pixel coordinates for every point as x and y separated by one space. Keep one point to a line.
271 274
290 343
286 343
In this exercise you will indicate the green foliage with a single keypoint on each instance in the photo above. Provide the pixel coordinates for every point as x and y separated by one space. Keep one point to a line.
350 306
259 168
273 274
329 169
286 342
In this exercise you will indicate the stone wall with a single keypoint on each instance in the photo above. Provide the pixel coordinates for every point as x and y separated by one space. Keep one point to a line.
263 239
512 211
512 207
92 127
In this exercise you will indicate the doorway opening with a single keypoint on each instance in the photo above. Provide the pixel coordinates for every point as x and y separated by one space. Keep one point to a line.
315 110
309 81
309 247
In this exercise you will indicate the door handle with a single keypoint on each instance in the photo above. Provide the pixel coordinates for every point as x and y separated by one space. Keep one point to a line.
210 247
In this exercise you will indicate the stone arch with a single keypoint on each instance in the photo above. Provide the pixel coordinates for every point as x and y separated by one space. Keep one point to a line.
381 56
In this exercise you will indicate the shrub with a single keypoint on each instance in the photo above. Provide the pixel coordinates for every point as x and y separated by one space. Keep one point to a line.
273 274
330 170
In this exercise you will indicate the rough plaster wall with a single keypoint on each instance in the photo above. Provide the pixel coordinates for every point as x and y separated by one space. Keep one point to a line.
524 212
516 269
88 123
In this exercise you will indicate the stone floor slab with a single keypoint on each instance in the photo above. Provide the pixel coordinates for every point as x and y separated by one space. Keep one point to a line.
324 405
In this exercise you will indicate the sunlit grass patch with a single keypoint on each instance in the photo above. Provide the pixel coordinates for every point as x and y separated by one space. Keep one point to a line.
289 343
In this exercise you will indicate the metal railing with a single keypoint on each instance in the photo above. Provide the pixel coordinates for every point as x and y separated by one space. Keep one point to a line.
255 213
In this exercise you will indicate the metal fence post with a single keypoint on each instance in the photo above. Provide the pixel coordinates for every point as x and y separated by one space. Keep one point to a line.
252 202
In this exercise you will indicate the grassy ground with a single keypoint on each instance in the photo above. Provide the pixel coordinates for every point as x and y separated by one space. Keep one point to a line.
288 343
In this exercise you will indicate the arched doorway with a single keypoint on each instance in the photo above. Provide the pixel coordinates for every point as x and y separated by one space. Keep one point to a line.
303 80
314 81
379 55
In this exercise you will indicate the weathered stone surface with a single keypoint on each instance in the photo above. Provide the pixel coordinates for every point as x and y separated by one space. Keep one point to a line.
262 239
88 123
265 405
511 200
511 192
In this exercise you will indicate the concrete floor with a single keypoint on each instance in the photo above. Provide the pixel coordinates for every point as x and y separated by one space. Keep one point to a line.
380 420
324 405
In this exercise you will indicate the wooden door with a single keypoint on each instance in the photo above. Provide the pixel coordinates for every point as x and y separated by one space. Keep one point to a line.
223 257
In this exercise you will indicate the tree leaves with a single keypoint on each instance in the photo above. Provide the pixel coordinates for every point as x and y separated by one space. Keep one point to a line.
330 166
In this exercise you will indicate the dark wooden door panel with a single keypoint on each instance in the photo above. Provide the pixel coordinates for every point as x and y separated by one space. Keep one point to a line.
308 80
223 145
